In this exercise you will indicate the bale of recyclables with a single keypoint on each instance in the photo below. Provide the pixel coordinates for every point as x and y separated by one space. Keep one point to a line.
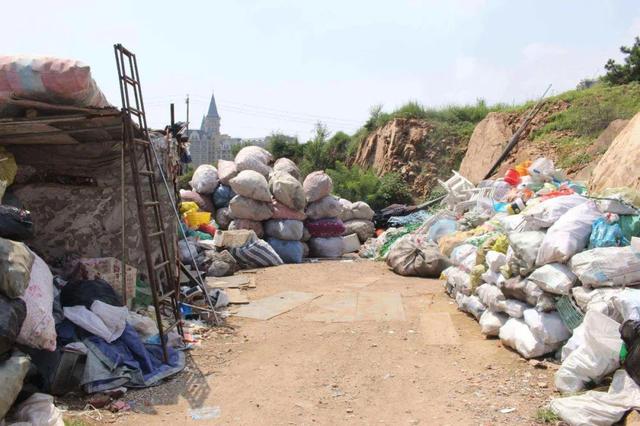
251 184
317 185
204 179
287 166
226 171
254 158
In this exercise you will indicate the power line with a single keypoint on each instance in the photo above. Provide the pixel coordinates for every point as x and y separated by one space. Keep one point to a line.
200 98
282 117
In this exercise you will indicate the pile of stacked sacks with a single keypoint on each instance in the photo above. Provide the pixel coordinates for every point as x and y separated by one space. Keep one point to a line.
357 218
252 204
511 272
323 216
250 194
285 230
197 205
223 194
549 270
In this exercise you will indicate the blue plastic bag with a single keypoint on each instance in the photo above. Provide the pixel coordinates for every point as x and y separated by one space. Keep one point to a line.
605 234
289 251
441 228
222 195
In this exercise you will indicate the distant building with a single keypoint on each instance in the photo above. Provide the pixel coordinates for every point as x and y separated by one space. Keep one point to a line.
208 145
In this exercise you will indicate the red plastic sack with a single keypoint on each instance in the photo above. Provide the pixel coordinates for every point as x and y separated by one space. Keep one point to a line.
559 193
208 228
324 228
512 177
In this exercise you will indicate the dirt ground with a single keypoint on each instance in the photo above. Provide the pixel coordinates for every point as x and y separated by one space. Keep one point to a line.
413 360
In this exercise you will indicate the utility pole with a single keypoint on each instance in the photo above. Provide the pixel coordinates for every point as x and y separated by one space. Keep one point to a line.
187 102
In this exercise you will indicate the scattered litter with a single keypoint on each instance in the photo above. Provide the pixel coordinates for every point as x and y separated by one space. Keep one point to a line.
205 413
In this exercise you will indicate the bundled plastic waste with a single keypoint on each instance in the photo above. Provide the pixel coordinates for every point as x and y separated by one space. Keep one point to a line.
544 267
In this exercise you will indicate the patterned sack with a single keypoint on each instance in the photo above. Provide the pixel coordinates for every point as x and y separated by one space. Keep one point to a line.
257 254
325 227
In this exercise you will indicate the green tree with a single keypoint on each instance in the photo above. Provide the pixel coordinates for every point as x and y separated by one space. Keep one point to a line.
336 148
628 71
314 157
237 147
281 145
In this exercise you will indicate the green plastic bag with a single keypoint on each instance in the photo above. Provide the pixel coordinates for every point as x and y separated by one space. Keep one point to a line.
630 226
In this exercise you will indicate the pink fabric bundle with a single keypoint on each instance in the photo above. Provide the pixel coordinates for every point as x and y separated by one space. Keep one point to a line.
280 211
323 228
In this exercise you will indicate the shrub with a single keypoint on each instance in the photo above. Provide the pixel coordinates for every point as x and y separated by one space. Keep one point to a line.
357 184
280 145
185 178
392 190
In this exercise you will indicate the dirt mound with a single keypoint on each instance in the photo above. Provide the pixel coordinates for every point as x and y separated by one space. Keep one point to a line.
415 149
619 165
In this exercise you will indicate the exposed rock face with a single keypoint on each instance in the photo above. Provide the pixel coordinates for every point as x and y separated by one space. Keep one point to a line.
598 148
620 165
392 146
485 146
414 149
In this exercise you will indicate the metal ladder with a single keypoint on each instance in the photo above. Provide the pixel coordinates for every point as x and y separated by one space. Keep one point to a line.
162 275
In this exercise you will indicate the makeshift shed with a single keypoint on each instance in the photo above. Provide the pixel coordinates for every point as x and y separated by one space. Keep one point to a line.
70 164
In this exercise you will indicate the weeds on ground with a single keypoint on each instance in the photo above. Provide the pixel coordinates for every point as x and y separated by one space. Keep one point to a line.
545 415
590 111
74 422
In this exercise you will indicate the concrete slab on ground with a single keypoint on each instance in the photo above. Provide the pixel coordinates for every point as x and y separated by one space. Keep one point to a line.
277 304
361 306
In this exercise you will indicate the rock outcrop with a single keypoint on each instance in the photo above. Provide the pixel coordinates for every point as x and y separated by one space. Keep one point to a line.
598 148
413 148
487 142
620 165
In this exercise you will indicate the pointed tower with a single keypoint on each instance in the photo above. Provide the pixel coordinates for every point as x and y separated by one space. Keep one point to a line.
211 122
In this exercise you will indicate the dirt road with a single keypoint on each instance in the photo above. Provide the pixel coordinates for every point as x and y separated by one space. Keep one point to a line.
370 348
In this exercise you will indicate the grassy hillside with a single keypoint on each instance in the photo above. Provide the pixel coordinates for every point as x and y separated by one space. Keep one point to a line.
454 121
573 130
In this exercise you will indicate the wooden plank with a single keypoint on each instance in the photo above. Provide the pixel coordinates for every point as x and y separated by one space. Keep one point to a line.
438 329
233 281
236 296
277 304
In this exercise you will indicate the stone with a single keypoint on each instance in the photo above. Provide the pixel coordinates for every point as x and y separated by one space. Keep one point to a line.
619 165
487 142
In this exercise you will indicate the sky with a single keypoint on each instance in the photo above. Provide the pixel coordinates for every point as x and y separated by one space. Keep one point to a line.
283 65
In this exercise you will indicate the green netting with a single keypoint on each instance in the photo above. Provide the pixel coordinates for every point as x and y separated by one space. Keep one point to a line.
569 313
393 238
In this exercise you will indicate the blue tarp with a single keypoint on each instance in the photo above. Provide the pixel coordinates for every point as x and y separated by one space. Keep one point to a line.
126 361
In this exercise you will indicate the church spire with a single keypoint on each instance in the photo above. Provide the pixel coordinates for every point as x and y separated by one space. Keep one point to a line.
213 109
